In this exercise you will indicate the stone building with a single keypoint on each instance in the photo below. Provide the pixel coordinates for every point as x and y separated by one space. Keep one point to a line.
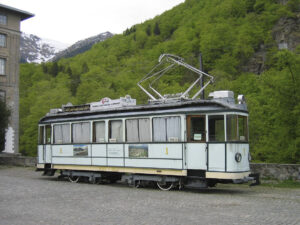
10 19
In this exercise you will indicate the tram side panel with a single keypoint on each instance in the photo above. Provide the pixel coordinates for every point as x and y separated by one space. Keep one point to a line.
196 156
160 156
99 157
79 154
238 157
41 159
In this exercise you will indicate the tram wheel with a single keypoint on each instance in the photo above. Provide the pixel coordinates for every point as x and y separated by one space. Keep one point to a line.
165 186
73 179
94 180
137 183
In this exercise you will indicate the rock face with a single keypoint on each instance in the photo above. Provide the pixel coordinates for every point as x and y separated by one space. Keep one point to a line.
37 50
286 35
81 46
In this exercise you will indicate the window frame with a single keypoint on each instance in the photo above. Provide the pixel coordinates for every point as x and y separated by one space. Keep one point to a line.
237 116
188 127
224 128
70 133
80 122
41 136
5 40
165 118
138 126
47 142
4 65
109 131
246 132
94 131
3 98
3 15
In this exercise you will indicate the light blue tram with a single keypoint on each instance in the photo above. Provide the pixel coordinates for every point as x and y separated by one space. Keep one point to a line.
171 141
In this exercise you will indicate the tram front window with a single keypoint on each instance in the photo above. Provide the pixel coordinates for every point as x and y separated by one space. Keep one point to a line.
196 128
237 128
243 128
216 128
48 134
41 135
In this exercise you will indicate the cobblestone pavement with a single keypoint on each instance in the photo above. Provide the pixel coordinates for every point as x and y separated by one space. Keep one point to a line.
28 198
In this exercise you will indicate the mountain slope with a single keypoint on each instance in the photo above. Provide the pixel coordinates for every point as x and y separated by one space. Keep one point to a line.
36 49
239 43
81 46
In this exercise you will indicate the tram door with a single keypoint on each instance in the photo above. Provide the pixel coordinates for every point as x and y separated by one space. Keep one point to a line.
44 148
47 145
196 153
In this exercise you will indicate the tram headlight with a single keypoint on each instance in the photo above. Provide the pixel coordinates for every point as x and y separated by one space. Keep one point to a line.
238 157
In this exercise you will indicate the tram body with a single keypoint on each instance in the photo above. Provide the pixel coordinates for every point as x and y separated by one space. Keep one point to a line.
191 142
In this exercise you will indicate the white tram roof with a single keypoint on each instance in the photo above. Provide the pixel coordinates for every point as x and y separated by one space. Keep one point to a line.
183 106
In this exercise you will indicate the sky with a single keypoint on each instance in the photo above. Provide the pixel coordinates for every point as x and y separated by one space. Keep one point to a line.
68 21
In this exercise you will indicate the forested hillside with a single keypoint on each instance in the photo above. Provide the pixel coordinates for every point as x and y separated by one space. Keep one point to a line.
238 45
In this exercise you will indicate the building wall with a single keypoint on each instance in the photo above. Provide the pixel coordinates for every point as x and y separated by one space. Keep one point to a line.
9 83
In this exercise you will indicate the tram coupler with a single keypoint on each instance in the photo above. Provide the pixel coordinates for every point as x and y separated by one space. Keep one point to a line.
256 177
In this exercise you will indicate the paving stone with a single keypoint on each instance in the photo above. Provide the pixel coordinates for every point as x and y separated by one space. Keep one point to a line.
26 197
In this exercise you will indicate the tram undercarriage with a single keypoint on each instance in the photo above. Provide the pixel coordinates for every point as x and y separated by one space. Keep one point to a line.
194 180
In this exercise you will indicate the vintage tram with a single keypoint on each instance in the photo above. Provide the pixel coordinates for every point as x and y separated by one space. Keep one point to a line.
173 140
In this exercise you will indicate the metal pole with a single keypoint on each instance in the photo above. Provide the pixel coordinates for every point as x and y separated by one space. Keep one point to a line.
201 80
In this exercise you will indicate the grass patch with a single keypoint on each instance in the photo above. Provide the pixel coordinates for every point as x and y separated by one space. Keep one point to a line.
281 184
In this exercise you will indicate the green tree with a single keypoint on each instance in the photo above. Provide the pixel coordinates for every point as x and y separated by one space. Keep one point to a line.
156 29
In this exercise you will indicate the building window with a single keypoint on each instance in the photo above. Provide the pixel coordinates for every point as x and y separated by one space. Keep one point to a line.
166 129
3 19
2 66
2 96
2 40
138 130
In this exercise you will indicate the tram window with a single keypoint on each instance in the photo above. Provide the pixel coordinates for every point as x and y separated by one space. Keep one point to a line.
243 128
48 134
61 133
138 130
115 131
99 131
144 130
81 132
132 130
232 127
167 129
196 128
216 128
41 135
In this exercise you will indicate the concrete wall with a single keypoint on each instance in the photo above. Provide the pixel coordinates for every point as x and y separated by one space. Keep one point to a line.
266 170
16 160
277 171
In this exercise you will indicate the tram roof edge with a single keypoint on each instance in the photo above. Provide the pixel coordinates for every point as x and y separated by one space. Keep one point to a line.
196 105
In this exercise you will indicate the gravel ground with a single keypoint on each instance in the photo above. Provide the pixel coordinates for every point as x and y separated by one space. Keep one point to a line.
26 197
